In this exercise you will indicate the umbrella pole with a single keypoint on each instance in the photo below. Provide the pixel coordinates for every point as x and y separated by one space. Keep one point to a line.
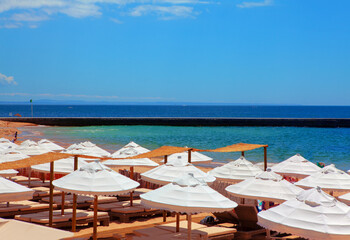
177 222
74 213
189 221
62 203
29 176
242 153
132 178
165 159
51 194
189 156
265 158
95 219
164 216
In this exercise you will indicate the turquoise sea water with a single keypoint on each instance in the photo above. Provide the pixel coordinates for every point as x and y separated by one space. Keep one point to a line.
329 145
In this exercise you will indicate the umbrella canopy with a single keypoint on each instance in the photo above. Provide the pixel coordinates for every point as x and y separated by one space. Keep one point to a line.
296 166
95 148
10 155
168 172
236 171
145 162
95 179
5 143
313 214
62 166
195 157
32 148
266 186
86 148
11 191
328 178
187 195
11 229
8 173
129 150
49 145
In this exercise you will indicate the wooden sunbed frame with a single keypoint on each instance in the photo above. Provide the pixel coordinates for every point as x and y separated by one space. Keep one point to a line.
83 202
22 207
168 230
66 219
42 192
124 214
136 194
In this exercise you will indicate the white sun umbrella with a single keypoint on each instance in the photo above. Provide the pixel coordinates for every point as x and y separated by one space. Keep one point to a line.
328 178
5 143
296 166
49 145
168 172
62 166
86 148
95 148
8 173
11 191
11 229
187 195
95 179
10 155
142 162
129 150
32 148
196 157
266 186
236 171
313 214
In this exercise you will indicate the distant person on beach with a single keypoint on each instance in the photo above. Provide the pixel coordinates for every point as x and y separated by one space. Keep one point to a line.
15 139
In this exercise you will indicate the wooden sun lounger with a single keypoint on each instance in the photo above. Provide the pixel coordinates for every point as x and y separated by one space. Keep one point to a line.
22 207
216 233
35 183
204 231
41 192
82 201
19 179
171 227
83 217
106 207
124 214
136 194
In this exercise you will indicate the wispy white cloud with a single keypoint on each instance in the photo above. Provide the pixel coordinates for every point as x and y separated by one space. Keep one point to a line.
164 12
263 3
116 20
28 17
36 11
7 79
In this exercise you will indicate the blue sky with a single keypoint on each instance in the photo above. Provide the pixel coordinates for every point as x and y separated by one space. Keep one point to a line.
222 51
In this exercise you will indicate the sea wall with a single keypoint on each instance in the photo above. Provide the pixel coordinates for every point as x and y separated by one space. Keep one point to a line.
168 121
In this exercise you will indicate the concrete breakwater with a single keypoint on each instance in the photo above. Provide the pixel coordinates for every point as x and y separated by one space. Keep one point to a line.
172 121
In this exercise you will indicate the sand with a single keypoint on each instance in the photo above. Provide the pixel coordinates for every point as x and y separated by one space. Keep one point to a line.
8 129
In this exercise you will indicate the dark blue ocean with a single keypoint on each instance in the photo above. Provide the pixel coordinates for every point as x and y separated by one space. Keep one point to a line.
176 111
